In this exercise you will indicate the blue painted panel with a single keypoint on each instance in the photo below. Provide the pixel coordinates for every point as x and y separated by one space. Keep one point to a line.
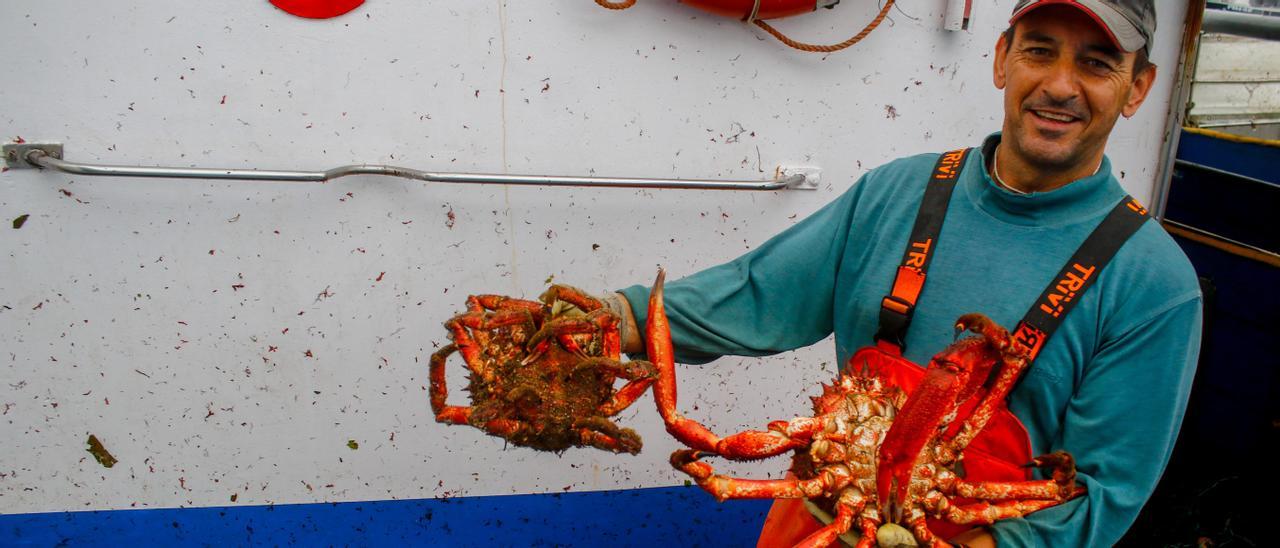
1229 432
1229 206
671 516
1249 159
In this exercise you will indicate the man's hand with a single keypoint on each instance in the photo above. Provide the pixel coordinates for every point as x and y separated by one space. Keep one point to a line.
632 342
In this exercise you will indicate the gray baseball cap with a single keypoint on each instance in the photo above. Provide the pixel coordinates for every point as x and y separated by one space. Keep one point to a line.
1129 23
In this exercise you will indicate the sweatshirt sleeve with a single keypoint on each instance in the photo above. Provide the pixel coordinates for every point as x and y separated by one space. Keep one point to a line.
775 298
1121 426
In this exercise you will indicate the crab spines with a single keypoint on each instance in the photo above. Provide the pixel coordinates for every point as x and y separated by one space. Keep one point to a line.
829 399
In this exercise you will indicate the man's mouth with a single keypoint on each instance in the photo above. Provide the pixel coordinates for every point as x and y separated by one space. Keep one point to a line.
1054 116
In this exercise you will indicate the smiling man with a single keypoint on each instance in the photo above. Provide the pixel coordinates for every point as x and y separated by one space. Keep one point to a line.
1115 340
1067 77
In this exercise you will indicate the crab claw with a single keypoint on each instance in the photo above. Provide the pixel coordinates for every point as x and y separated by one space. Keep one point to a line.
995 335
915 425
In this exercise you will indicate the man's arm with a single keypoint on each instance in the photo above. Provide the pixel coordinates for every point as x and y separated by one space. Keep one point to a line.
775 298
1121 425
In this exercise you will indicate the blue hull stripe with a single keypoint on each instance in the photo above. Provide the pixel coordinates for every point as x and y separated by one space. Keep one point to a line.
671 516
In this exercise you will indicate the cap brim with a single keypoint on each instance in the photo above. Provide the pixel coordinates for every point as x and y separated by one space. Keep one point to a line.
1121 32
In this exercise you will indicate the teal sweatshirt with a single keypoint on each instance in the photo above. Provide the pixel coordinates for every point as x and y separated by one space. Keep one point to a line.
1110 386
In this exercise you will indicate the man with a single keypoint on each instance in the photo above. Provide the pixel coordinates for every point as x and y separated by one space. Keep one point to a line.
1111 385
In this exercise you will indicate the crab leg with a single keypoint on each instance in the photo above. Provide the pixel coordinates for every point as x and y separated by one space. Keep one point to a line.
985 513
482 321
458 414
480 303
504 427
724 487
868 527
1013 490
782 436
1062 486
604 434
955 375
639 373
571 295
589 304
439 392
1013 360
563 330
658 345
920 529
826 536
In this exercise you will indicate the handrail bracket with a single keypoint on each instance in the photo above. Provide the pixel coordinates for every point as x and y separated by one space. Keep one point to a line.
15 154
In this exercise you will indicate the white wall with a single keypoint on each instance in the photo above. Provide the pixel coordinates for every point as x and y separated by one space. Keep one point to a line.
121 316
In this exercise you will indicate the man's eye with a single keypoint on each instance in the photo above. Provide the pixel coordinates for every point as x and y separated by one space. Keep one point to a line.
1038 51
1098 65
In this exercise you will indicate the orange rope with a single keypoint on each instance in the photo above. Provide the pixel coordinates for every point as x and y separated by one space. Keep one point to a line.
825 49
624 4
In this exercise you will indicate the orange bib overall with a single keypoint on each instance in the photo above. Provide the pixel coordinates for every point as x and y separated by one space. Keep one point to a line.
1002 449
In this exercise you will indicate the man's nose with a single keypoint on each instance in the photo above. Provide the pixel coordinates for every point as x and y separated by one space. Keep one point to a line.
1062 84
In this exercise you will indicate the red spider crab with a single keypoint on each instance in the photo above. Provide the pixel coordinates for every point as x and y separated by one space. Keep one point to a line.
871 452
542 373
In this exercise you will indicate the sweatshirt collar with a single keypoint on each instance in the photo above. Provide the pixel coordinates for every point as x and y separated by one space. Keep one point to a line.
1076 201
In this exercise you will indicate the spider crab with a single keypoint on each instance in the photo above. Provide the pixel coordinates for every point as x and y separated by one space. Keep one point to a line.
878 456
542 373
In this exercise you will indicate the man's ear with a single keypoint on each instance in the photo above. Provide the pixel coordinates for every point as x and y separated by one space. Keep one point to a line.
997 70
1138 92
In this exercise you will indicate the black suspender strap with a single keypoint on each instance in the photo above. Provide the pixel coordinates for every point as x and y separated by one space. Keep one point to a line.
1078 274
897 308
1055 301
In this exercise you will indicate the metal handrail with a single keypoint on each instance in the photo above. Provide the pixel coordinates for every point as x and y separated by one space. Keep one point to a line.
49 155
1253 25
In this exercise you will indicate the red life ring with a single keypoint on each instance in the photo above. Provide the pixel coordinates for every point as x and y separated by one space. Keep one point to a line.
756 11
764 9
317 9
742 9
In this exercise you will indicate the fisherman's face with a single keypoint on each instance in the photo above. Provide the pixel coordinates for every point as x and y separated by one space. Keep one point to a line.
1065 84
